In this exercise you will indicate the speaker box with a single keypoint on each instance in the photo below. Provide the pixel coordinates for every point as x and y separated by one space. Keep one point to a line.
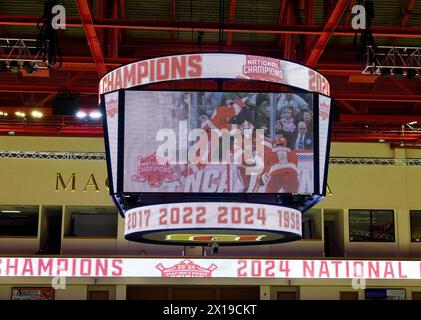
65 106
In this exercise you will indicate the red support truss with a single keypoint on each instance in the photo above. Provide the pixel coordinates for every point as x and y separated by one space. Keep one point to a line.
328 31
209 26
94 45
231 18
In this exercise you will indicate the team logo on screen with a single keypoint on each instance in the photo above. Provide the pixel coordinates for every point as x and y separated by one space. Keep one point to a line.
263 68
153 171
112 108
324 111
186 268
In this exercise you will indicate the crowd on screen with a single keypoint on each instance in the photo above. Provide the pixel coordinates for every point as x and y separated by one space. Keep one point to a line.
286 120
290 114
294 120
292 117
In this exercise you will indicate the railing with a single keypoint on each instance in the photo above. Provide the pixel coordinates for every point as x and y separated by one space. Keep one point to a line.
53 155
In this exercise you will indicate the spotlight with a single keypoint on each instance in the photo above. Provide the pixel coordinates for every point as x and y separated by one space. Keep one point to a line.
3 66
29 67
20 114
1 113
81 114
14 67
385 72
398 74
36 114
411 73
413 122
5 114
95 115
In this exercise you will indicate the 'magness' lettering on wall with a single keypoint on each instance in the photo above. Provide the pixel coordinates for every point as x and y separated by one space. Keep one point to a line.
75 183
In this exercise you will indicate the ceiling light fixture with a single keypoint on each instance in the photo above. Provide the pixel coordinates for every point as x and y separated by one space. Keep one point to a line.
95 115
81 114
37 114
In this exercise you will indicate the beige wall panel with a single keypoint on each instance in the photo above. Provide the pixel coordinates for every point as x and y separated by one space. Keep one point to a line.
72 292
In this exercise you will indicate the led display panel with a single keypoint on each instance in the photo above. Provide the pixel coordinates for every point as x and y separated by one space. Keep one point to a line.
218 142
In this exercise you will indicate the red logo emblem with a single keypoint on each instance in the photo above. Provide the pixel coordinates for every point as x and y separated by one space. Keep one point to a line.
153 171
263 68
186 269
324 111
112 108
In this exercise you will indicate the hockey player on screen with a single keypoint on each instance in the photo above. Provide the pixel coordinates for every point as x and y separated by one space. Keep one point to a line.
221 117
249 169
278 166
220 123
281 174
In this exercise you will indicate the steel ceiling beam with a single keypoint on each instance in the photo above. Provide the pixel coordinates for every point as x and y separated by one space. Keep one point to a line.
347 18
114 34
347 105
39 88
310 13
405 18
396 119
375 138
282 12
46 99
236 27
289 39
173 17
100 14
91 36
407 13
231 18
67 86
377 97
328 31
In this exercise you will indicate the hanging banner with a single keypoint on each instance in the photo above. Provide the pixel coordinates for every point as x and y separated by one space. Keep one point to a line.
209 268
201 223
211 66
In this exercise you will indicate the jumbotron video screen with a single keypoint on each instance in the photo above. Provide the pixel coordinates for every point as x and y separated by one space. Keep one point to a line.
218 142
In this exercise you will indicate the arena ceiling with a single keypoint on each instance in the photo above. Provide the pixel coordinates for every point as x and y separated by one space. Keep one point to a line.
103 34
